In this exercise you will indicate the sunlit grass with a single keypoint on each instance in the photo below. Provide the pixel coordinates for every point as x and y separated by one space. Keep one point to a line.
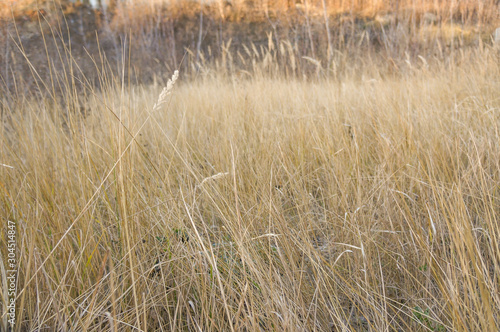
369 202
296 182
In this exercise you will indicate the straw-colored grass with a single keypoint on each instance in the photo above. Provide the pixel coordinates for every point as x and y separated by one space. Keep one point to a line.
363 203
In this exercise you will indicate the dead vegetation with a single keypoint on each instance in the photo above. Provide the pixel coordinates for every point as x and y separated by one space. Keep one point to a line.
267 189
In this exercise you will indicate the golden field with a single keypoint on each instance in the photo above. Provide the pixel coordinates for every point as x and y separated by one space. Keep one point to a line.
265 190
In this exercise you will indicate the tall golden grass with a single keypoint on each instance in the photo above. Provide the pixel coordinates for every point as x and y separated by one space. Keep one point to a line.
261 190
367 203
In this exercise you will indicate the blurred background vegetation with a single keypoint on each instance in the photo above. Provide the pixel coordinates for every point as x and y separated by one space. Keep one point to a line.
144 39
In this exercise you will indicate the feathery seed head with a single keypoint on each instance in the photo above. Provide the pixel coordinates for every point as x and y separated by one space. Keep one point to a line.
166 91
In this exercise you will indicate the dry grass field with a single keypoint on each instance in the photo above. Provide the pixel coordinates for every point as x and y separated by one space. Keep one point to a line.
361 194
